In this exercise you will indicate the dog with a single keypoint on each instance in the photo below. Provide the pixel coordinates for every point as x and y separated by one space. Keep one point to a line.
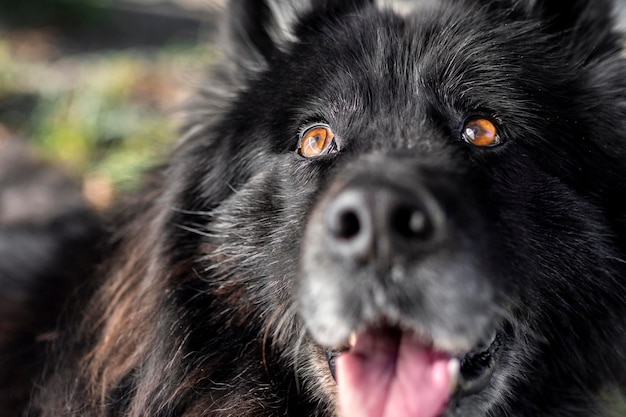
374 210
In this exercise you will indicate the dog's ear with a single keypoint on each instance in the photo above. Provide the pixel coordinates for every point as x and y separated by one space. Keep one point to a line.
249 30
587 24
566 15
256 30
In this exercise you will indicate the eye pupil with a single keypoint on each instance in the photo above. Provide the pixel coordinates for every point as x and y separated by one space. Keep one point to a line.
481 132
471 133
317 140
314 143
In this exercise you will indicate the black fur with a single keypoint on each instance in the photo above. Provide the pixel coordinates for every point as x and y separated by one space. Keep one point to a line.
226 282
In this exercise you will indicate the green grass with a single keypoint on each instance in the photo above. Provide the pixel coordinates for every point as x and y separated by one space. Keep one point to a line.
106 116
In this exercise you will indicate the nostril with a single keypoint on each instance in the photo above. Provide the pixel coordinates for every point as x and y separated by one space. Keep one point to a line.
411 222
348 225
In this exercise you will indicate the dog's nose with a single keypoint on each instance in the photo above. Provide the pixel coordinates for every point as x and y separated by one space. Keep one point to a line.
367 223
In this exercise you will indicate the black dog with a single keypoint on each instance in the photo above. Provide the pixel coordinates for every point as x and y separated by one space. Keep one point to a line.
411 212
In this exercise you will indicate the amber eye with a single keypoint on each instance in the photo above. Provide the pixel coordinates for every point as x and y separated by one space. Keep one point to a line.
481 132
317 140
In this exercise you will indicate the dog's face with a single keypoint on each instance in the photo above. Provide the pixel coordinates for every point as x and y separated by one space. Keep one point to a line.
430 190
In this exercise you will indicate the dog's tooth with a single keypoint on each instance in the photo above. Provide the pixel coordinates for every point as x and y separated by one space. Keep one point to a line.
454 369
352 339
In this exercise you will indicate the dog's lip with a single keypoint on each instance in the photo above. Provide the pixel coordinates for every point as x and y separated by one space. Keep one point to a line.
478 366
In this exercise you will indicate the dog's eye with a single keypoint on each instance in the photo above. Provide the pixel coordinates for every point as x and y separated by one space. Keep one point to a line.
481 132
317 140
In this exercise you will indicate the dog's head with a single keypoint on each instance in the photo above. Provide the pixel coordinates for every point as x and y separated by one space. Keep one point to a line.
434 188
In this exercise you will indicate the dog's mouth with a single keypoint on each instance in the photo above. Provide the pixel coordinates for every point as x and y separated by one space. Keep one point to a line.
385 372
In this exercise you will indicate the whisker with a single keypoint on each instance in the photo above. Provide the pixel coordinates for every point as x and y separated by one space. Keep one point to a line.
268 327
193 212
296 355
195 231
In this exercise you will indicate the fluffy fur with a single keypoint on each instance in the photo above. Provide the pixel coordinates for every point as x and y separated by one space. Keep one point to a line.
220 292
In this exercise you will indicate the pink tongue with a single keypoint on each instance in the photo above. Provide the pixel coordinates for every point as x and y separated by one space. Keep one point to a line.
392 375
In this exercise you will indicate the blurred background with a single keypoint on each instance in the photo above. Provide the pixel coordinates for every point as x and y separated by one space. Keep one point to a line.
94 85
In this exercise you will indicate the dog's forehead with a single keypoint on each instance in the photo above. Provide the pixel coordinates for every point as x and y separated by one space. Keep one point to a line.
410 74
391 71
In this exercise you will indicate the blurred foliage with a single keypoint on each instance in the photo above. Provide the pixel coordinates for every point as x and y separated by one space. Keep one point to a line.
103 116
61 12
58 12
